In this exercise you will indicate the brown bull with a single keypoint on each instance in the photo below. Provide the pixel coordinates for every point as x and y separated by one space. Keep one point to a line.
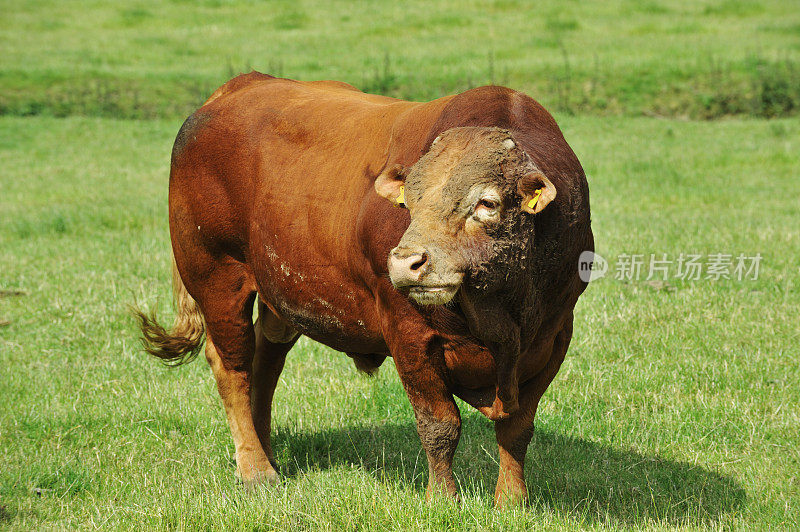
288 193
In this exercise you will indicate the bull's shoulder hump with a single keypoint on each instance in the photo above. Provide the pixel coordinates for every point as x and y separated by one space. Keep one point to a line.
531 124
494 106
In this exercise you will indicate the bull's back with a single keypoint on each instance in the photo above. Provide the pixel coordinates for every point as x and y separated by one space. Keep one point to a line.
283 146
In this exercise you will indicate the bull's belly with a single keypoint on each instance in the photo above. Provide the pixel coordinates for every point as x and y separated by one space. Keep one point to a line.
324 305
342 328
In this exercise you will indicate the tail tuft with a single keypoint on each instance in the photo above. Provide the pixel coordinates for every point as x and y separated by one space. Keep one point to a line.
183 342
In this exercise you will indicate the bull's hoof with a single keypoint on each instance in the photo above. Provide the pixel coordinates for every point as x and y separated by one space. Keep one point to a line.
257 479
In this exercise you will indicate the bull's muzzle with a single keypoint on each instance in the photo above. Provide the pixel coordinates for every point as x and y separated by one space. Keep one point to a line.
410 271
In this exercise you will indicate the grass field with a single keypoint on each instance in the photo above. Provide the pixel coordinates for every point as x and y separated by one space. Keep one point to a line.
151 59
678 405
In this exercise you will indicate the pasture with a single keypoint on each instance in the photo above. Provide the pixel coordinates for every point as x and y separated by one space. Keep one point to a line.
678 405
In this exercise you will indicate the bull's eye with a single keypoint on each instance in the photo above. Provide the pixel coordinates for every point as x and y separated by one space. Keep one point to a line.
487 209
488 204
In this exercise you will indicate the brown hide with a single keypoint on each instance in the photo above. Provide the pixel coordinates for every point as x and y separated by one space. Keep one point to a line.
271 192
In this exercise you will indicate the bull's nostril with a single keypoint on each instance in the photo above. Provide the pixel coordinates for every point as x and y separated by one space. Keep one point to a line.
407 266
419 263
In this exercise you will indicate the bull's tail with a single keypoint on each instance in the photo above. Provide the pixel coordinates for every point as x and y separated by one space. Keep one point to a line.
183 342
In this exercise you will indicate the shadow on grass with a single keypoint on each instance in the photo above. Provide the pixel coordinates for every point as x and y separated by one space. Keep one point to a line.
591 481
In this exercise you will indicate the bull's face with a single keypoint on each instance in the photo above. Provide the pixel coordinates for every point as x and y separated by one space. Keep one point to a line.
468 198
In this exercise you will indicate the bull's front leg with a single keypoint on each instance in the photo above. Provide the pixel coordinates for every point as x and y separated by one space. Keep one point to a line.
419 357
439 429
438 418
514 433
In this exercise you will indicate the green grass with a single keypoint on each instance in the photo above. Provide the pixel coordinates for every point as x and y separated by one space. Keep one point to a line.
158 59
678 405
674 408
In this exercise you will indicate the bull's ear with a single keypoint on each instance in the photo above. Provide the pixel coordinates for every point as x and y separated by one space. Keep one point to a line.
390 184
536 190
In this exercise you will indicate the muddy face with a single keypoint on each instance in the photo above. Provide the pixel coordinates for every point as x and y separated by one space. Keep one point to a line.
470 199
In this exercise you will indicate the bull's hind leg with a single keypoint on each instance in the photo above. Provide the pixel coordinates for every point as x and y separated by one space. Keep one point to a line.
230 346
274 339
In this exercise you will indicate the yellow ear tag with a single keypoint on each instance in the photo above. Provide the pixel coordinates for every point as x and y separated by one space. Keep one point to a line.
401 199
535 198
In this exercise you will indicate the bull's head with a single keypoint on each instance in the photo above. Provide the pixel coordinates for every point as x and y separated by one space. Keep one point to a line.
469 197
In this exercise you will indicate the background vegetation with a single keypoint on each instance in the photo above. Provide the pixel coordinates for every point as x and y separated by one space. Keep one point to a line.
161 58
677 406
